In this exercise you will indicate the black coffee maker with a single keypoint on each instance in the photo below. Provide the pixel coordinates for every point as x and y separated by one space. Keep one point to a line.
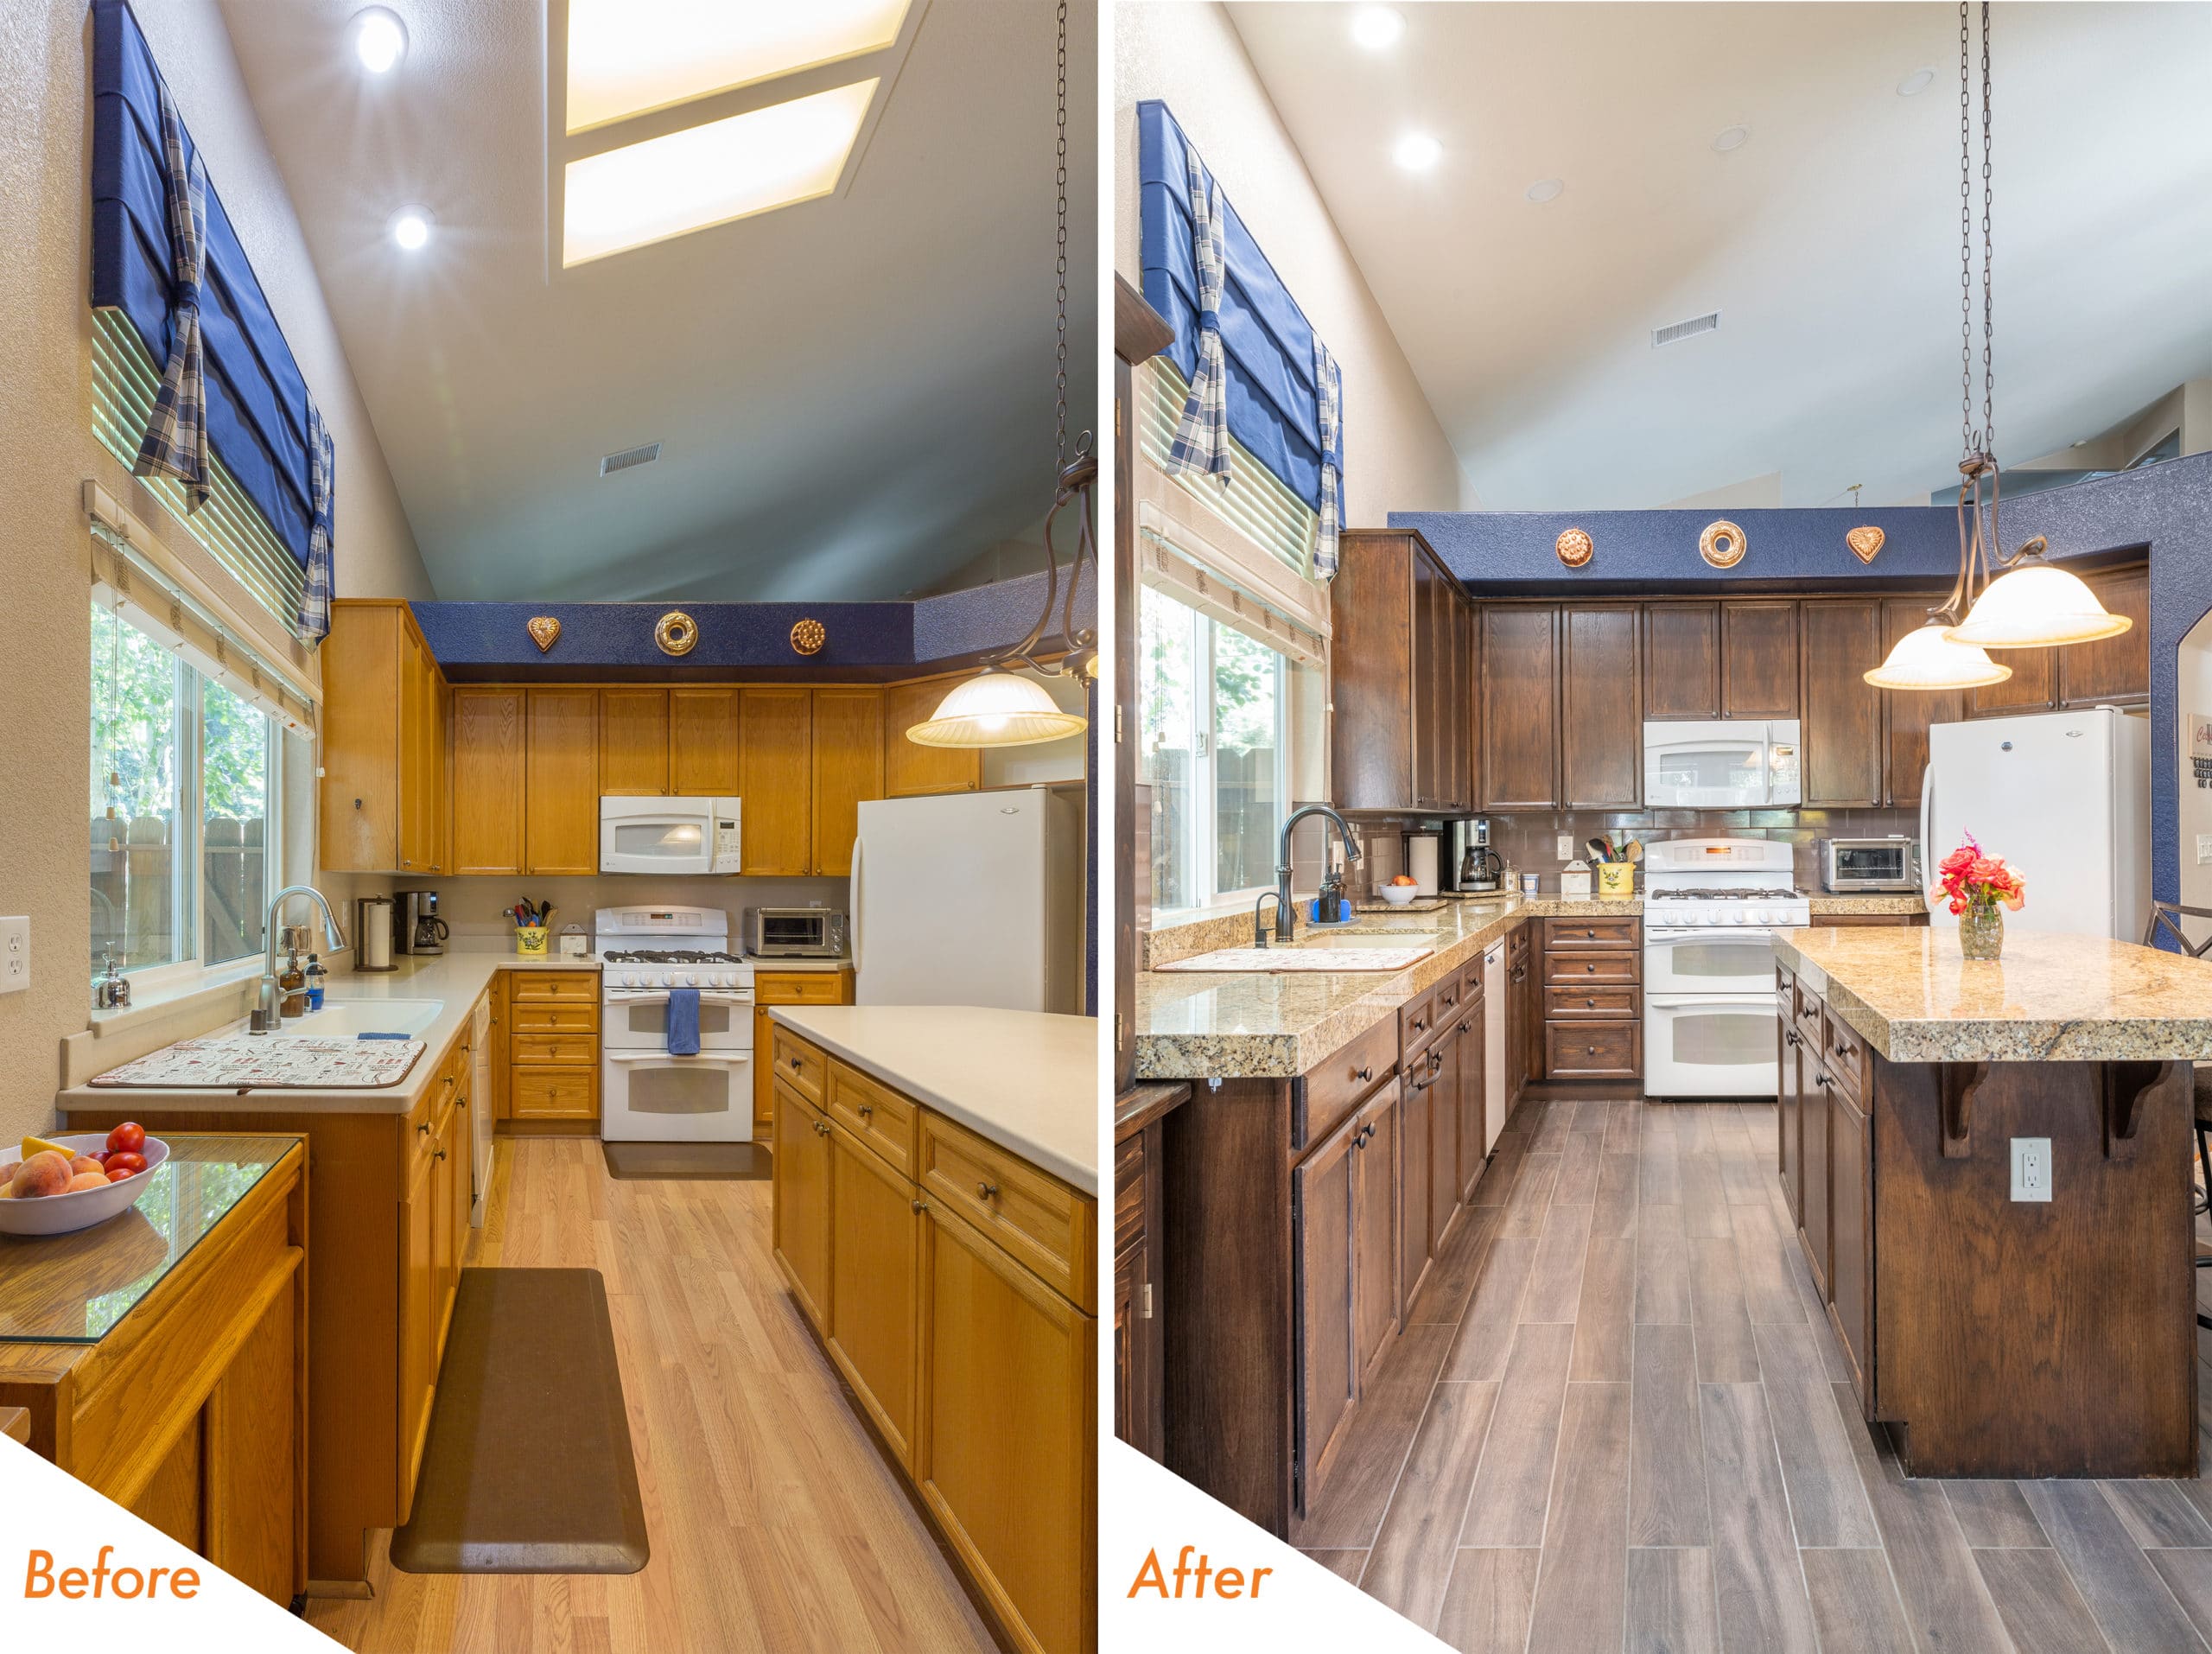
1473 868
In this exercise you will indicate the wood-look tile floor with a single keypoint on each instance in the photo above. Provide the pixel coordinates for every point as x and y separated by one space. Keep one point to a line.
775 1522
1617 1419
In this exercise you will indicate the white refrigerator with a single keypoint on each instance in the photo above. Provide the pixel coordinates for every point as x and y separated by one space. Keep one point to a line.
2064 797
970 899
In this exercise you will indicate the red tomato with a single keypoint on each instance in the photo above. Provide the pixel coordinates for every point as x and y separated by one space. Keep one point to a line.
119 1177
130 1137
128 1163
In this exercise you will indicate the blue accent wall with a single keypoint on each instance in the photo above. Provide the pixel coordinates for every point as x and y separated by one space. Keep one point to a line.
2162 511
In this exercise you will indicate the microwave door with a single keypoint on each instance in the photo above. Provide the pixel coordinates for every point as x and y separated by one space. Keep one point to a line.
655 845
1717 774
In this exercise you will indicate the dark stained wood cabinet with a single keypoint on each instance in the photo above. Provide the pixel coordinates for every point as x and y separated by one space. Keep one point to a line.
1140 1198
1416 1132
1469 1089
2111 671
1601 708
1446 1065
1758 658
1841 758
1399 678
1850 1232
1790 1126
2033 686
1519 706
1681 660
1908 713
1375 1295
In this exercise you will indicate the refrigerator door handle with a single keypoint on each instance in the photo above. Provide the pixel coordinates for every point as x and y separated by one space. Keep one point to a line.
1928 856
856 904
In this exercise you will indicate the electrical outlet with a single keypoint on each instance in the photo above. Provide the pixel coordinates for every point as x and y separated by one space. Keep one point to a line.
1567 847
15 954
2032 1169
2203 848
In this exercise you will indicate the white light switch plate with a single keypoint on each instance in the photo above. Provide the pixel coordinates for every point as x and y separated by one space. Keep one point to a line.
15 954
2203 848
2032 1169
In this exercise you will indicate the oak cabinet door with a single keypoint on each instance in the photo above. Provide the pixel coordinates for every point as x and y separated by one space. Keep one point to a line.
634 741
1758 659
417 1307
2114 671
561 788
801 1171
488 780
1520 707
252 1462
1841 734
1006 1449
1681 660
848 771
775 769
1321 1240
910 768
418 714
703 743
875 1229
1601 717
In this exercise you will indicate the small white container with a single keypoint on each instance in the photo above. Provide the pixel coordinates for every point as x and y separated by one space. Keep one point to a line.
1574 882
1397 894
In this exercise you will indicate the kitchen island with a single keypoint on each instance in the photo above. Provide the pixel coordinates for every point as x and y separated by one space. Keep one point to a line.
1989 1163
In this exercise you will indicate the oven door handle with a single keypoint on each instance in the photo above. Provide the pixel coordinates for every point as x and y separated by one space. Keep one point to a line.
1763 1001
660 996
723 1057
1661 938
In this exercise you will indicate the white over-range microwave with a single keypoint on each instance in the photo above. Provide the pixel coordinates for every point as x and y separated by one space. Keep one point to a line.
669 835
1721 764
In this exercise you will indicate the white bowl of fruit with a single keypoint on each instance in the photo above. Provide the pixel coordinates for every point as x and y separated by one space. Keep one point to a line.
59 1185
1400 891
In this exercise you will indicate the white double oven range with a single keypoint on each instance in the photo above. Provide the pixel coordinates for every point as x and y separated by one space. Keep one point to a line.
647 1093
1711 908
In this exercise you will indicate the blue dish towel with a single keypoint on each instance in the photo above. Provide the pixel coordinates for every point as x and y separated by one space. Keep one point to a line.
683 1021
384 1036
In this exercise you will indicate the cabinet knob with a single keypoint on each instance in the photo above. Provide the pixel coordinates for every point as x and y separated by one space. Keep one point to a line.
1589 1050
1792 1038
1362 1073
438 1154
820 1129
423 1128
866 1109
989 1190
920 1205
1590 968
1591 935
794 1062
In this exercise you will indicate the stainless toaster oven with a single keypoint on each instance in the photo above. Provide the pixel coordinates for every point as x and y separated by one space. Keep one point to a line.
1870 865
794 933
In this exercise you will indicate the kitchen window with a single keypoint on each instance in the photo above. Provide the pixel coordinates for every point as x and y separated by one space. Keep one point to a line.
1215 712
184 832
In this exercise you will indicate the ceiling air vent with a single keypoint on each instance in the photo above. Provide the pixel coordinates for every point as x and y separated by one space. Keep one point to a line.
628 459
1689 329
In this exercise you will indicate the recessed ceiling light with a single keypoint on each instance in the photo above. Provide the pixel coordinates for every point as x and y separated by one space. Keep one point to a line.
1916 83
1545 189
1417 152
624 59
1732 137
703 176
379 40
410 227
1378 28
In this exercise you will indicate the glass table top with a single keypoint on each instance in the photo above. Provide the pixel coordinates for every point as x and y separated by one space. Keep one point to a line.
74 1288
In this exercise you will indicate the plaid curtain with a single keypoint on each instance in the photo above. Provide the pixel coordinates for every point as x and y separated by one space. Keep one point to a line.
1202 435
314 596
1328 409
176 436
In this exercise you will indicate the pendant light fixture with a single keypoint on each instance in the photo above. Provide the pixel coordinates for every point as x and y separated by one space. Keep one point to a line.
999 708
2030 603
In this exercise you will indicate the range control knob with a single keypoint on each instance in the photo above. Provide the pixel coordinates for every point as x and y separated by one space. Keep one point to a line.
681 979
1738 917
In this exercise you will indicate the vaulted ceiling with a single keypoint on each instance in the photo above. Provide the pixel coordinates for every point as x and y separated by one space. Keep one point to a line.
854 395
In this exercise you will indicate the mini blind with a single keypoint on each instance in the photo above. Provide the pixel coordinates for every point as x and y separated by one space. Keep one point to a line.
1253 501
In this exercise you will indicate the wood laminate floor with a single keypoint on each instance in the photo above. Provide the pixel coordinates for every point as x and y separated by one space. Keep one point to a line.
775 1522
1618 1419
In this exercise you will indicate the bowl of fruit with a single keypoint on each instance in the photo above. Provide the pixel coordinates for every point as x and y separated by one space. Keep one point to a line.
1400 891
59 1185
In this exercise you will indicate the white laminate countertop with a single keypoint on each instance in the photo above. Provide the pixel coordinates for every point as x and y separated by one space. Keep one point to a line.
810 962
455 979
1027 1080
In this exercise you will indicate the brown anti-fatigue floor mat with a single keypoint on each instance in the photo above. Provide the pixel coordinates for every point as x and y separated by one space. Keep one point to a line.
530 1360
651 1161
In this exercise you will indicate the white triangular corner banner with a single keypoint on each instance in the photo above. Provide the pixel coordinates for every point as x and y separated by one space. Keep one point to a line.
80 1572
1182 1573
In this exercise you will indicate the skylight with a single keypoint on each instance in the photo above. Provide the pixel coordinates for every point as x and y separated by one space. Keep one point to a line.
628 57
707 174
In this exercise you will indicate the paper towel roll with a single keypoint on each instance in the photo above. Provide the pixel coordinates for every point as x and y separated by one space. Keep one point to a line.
1421 863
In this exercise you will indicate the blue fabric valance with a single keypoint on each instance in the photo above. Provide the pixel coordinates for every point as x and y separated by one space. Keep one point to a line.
257 406
1265 337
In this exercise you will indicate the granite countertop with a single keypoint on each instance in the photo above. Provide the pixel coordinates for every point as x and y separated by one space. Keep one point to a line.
454 979
777 966
1027 1080
1900 902
1250 1025
1913 998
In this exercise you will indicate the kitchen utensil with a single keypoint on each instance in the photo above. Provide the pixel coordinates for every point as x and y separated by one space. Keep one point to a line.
1597 848
64 1214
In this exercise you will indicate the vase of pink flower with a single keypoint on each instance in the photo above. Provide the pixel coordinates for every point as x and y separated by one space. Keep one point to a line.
1977 888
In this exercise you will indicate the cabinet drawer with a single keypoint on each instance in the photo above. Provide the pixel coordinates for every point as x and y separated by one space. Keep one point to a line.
1471 983
568 987
546 1016
1843 1053
1335 1085
1602 1003
1037 1220
800 1066
1129 1192
1592 1050
1562 933
570 1048
1516 946
1575 966
798 988
551 1093
876 1115
1417 1022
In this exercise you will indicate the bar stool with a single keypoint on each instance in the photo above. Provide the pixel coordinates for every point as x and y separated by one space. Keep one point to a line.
2167 916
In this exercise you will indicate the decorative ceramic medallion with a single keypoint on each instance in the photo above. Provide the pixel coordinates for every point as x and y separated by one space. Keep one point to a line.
676 633
809 636
1864 542
1722 545
544 630
1574 547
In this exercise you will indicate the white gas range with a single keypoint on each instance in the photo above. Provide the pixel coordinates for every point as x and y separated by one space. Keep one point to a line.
1711 907
647 1093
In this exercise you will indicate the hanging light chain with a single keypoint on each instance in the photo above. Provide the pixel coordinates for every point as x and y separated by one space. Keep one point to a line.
1968 447
1060 178
1988 259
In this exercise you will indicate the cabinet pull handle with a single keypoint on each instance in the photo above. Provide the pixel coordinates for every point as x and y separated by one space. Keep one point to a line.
989 1190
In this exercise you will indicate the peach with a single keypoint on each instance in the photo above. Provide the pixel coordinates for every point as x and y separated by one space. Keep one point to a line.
84 1163
8 1174
43 1174
92 1180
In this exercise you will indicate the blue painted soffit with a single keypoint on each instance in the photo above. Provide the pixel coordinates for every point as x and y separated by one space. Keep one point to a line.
2163 512
609 643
